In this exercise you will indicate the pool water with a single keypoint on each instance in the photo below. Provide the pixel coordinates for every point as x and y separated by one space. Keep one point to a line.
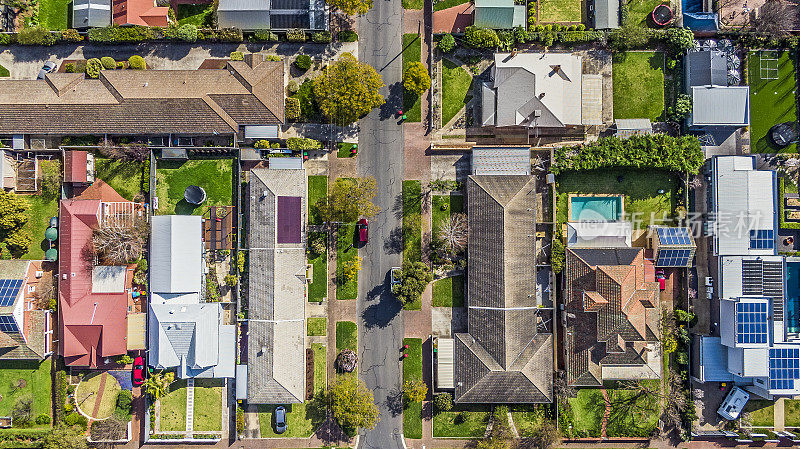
595 208
792 309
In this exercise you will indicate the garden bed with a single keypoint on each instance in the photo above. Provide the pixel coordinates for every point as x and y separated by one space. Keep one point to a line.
173 177
442 207
772 101
638 79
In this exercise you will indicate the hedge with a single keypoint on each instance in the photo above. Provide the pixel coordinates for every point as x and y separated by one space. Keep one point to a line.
292 109
659 151
348 36
321 37
237 56
296 35
264 36
36 36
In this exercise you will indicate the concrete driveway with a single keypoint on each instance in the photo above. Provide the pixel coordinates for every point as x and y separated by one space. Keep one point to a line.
24 62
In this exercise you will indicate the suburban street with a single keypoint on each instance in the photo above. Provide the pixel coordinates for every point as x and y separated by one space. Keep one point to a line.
381 325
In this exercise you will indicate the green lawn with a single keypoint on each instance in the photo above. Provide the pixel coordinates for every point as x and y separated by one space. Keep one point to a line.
4 72
125 177
443 207
173 408
317 326
586 412
318 288
639 11
20 378
345 149
412 52
762 412
346 335
86 394
640 188
208 404
528 419
456 83
444 4
345 252
298 421
412 220
413 4
53 14
317 190
632 416
638 80
320 367
462 422
449 292
200 15
215 176
791 410
551 11
43 207
412 371
412 420
771 102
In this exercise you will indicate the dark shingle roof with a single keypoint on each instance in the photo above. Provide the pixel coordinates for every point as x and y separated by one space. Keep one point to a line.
502 359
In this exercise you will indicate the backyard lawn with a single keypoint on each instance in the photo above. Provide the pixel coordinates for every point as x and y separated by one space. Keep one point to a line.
4 72
456 84
43 206
449 292
444 4
346 335
640 188
551 11
173 408
298 421
412 371
53 14
86 394
125 177
462 422
772 101
317 326
320 367
345 252
412 52
639 11
208 404
318 288
762 413
200 15
172 179
317 190
20 378
638 79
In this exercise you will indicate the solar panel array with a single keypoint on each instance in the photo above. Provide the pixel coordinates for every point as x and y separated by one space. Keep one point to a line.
7 324
751 322
784 368
762 239
669 257
673 236
9 288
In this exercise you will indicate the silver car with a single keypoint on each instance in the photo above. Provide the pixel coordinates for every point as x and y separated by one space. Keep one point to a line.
48 67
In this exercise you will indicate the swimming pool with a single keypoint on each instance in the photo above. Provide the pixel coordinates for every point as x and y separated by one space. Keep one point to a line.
595 208
792 309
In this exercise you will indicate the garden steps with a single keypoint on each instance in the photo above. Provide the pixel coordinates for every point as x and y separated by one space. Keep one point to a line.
189 405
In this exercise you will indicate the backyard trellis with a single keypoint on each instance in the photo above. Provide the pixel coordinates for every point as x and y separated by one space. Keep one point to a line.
768 64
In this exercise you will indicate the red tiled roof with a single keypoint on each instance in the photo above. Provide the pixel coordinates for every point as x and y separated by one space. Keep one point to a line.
75 166
93 325
139 12
99 190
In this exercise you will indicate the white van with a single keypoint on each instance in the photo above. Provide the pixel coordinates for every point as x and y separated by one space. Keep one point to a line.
733 404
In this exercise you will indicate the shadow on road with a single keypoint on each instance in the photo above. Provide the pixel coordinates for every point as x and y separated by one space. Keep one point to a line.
394 243
394 402
394 102
381 312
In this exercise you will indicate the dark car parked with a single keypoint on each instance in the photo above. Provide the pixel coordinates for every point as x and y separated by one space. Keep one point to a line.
280 419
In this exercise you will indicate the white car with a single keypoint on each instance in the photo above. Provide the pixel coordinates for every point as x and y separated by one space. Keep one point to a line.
395 275
733 404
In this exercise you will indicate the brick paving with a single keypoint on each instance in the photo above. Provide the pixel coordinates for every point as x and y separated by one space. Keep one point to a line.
98 399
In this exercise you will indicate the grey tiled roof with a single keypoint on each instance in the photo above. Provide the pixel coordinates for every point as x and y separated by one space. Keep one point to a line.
502 359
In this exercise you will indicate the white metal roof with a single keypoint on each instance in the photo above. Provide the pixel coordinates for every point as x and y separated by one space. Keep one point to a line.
501 161
590 234
444 363
176 256
720 105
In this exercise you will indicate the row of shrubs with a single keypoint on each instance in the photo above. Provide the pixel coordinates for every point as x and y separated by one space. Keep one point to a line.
185 33
93 66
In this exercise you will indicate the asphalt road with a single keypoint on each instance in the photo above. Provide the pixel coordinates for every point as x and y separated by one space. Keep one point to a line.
381 156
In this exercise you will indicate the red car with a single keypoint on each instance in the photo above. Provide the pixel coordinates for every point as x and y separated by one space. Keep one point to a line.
138 371
363 230
662 279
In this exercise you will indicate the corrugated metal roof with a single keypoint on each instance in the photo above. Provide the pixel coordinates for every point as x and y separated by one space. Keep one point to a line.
592 100
444 363
606 14
176 257
75 166
705 68
501 161
720 106
286 163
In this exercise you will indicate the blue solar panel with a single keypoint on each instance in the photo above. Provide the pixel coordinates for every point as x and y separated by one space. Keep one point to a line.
669 257
673 236
762 239
9 288
784 368
7 324
751 322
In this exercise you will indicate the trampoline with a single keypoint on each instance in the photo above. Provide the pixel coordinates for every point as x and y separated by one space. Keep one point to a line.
783 134
662 15
194 195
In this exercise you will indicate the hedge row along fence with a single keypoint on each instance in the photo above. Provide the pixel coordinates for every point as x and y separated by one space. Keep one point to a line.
183 33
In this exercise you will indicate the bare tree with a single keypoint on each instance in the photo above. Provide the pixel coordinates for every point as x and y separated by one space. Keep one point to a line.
453 234
119 243
696 182
108 430
137 152
347 360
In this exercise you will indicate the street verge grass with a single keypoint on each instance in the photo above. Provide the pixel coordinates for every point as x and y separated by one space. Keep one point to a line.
412 52
346 336
412 372
345 253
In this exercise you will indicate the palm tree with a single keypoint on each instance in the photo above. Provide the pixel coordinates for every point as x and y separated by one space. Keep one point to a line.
157 384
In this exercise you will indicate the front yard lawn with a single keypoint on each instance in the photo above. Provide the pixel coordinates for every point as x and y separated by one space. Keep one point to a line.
551 11
443 206
444 4
173 408
791 412
412 371
456 83
449 292
638 80
200 15
412 52
43 207
320 368
298 421
346 335
640 188
127 178
317 190
172 179
772 101
528 419
632 414
87 390
345 252
20 378
412 221
53 14
208 395
762 412
318 288
4 72
317 326
462 422
584 412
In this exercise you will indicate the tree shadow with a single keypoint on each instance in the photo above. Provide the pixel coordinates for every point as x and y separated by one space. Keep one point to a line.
394 243
394 102
394 402
184 208
381 313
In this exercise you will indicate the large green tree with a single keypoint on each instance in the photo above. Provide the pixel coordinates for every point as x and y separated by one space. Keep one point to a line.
414 277
351 7
349 199
416 78
352 403
347 90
